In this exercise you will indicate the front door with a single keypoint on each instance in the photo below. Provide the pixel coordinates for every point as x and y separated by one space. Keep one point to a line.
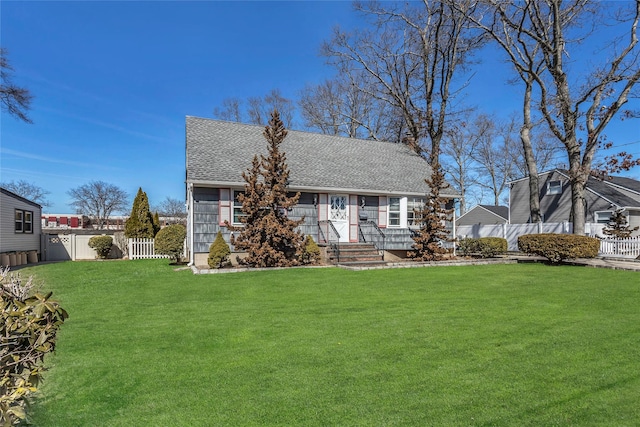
339 215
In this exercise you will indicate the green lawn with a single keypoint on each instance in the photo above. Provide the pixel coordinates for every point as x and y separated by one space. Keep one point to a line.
502 345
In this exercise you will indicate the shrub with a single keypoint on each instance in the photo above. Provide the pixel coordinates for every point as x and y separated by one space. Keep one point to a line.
218 252
170 241
310 251
558 247
468 246
492 246
28 327
102 245
486 247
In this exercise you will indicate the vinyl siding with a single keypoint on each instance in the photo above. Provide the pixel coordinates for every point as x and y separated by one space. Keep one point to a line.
10 240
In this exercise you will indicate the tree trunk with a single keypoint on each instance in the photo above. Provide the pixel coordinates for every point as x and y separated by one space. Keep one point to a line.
578 201
532 169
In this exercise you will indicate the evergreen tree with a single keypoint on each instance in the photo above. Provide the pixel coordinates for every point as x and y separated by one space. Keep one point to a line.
432 219
156 223
140 222
618 226
268 236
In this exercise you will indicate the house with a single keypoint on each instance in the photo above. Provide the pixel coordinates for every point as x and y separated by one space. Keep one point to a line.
352 190
484 215
19 228
603 198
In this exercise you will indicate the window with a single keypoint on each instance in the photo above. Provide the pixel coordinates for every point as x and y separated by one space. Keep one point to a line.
414 204
23 221
554 187
394 211
237 208
603 217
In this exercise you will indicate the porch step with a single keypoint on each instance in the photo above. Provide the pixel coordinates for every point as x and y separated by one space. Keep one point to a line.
355 253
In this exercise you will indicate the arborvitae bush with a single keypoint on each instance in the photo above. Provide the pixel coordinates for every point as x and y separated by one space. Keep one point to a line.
140 222
311 251
102 245
170 241
268 235
28 328
558 247
433 232
218 252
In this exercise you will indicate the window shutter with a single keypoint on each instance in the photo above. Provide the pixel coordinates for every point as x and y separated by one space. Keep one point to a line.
382 212
224 208
353 218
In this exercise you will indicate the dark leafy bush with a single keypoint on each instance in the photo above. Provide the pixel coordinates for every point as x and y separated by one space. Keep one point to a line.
486 247
170 241
492 246
218 252
28 328
102 245
558 247
310 251
468 246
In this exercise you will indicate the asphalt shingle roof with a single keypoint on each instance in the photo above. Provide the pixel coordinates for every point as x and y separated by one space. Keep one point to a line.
219 151
502 211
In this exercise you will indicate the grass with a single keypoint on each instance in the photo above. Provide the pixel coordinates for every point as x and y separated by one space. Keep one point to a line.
505 345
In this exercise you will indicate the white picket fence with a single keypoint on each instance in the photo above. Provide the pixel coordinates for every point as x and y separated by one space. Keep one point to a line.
627 248
142 249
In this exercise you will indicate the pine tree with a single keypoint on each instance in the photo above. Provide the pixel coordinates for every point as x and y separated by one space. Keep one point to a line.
156 223
268 236
618 226
432 219
140 222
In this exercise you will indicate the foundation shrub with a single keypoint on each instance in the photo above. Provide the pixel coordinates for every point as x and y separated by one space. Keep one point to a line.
219 252
170 241
558 247
102 245
310 251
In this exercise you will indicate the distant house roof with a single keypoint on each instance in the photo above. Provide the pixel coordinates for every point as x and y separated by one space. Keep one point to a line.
621 191
484 214
15 196
218 152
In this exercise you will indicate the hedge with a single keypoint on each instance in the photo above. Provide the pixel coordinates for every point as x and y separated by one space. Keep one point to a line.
486 247
558 247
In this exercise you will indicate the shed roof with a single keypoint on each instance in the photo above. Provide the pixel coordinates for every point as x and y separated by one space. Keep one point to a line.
219 151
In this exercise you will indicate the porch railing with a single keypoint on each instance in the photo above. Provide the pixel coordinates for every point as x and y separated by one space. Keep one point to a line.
328 235
375 236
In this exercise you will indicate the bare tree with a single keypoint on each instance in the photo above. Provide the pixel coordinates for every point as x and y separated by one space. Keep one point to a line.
496 155
98 200
28 191
230 110
173 209
260 109
340 107
256 109
411 57
15 100
460 143
578 109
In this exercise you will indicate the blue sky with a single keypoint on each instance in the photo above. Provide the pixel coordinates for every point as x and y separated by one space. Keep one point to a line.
113 82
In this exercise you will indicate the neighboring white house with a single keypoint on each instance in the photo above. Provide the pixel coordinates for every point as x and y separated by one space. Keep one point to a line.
20 226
